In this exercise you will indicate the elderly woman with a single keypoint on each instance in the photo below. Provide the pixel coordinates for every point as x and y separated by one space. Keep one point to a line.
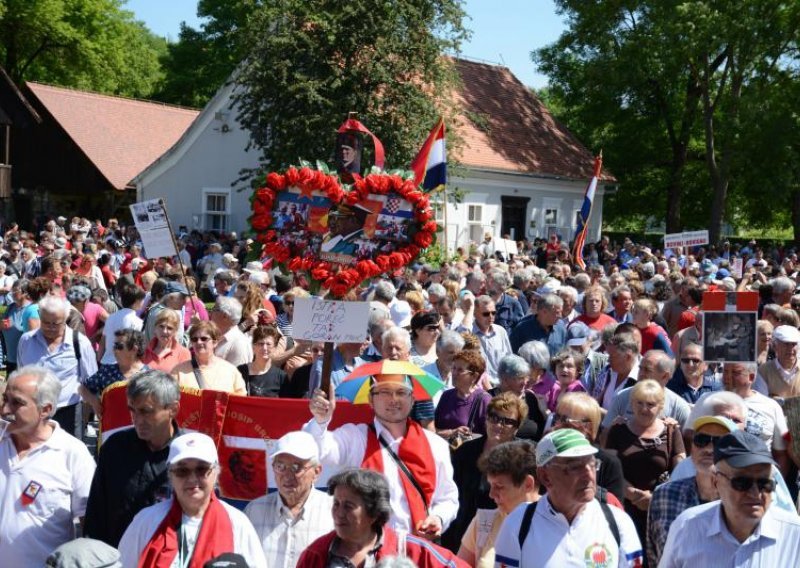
448 346
426 327
286 317
503 419
581 412
537 356
567 366
514 373
194 526
461 411
361 537
595 304
510 471
164 351
653 335
262 377
205 370
648 448
129 348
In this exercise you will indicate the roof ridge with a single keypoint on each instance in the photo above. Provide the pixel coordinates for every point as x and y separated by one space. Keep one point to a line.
84 92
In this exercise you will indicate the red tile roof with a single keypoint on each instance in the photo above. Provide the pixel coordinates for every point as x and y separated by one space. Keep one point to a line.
120 136
512 130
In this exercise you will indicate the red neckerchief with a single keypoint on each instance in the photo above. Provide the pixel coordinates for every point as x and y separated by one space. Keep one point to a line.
215 537
415 452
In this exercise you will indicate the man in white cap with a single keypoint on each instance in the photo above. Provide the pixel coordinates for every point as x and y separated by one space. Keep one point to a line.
781 376
415 461
568 526
290 519
194 526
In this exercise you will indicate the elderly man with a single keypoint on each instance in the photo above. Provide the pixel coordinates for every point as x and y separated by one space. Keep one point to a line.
290 519
580 340
781 376
656 365
765 417
744 527
509 310
545 326
493 338
622 369
671 499
45 474
132 469
234 346
622 302
569 526
415 461
69 355
194 525
690 381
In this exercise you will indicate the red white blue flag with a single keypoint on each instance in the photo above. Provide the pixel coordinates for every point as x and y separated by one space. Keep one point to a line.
585 214
430 165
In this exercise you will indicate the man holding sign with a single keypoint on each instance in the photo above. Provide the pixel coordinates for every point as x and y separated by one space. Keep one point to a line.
415 461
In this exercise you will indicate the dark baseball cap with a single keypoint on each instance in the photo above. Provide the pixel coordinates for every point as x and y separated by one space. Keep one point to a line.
175 288
227 560
742 449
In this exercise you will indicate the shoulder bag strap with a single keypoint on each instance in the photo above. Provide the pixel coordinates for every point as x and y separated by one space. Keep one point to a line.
473 413
402 466
77 348
525 525
198 374
612 522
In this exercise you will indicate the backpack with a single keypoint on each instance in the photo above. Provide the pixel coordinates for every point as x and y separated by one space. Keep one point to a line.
601 497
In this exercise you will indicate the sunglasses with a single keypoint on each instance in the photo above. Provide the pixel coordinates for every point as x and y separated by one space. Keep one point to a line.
119 346
702 440
689 360
200 339
502 421
184 472
293 468
288 303
571 421
744 484
487 314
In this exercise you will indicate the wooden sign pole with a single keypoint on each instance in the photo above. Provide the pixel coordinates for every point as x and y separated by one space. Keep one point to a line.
327 364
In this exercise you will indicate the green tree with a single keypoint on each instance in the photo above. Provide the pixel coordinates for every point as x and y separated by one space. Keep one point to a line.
87 44
313 61
203 59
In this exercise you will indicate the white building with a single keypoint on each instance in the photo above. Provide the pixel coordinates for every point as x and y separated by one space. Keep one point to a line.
525 174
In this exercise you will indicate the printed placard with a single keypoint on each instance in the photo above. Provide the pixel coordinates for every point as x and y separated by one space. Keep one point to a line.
326 320
729 326
151 221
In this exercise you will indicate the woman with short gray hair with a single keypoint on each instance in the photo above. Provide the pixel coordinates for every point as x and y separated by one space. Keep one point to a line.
515 372
537 355
361 535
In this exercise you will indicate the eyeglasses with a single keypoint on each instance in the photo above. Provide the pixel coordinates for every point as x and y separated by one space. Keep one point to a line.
744 484
184 472
702 440
572 421
502 420
487 314
52 323
576 466
690 361
293 468
200 339
119 346
401 394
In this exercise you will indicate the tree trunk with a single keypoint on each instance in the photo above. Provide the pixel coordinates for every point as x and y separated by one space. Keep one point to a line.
675 189
796 215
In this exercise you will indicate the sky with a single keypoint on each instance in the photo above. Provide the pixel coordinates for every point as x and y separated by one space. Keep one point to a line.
503 31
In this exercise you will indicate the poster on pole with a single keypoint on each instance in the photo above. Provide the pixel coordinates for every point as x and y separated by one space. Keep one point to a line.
729 327
316 319
737 268
152 223
686 239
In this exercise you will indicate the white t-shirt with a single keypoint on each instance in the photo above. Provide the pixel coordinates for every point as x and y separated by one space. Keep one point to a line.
765 419
58 476
125 318
552 542
146 521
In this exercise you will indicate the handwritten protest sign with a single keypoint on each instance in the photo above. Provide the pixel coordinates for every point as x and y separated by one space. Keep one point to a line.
151 221
325 320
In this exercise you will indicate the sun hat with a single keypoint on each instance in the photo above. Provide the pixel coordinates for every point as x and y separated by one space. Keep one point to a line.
564 443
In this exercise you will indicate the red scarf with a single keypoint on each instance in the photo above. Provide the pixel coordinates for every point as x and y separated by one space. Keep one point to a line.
215 537
415 453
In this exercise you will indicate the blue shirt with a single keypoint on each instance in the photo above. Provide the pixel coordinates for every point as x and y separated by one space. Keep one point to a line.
32 350
669 500
678 385
509 312
529 329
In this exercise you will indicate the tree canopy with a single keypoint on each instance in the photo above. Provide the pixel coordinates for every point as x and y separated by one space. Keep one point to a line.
86 44
311 62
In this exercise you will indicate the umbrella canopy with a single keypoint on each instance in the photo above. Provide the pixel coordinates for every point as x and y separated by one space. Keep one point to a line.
355 386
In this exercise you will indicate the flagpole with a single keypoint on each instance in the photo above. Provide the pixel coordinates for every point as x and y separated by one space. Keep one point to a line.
446 242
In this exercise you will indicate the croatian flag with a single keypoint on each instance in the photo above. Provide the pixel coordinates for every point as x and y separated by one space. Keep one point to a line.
430 165
585 214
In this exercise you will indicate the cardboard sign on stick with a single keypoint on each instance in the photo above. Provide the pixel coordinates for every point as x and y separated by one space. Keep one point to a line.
325 320
152 223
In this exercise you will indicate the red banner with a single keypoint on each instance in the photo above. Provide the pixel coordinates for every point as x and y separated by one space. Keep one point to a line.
244 428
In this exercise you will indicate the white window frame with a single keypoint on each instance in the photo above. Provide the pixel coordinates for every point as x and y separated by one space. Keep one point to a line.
226 215
475 207
438 210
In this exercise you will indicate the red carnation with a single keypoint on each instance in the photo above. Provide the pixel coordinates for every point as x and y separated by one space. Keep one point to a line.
383 263
295 264
423 239
430 227
276 181
292 177
320 273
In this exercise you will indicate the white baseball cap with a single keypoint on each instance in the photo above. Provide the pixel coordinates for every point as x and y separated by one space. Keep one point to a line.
786 334
298 444
192 446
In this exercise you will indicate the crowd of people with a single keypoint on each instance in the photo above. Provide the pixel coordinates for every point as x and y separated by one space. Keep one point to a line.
580 421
